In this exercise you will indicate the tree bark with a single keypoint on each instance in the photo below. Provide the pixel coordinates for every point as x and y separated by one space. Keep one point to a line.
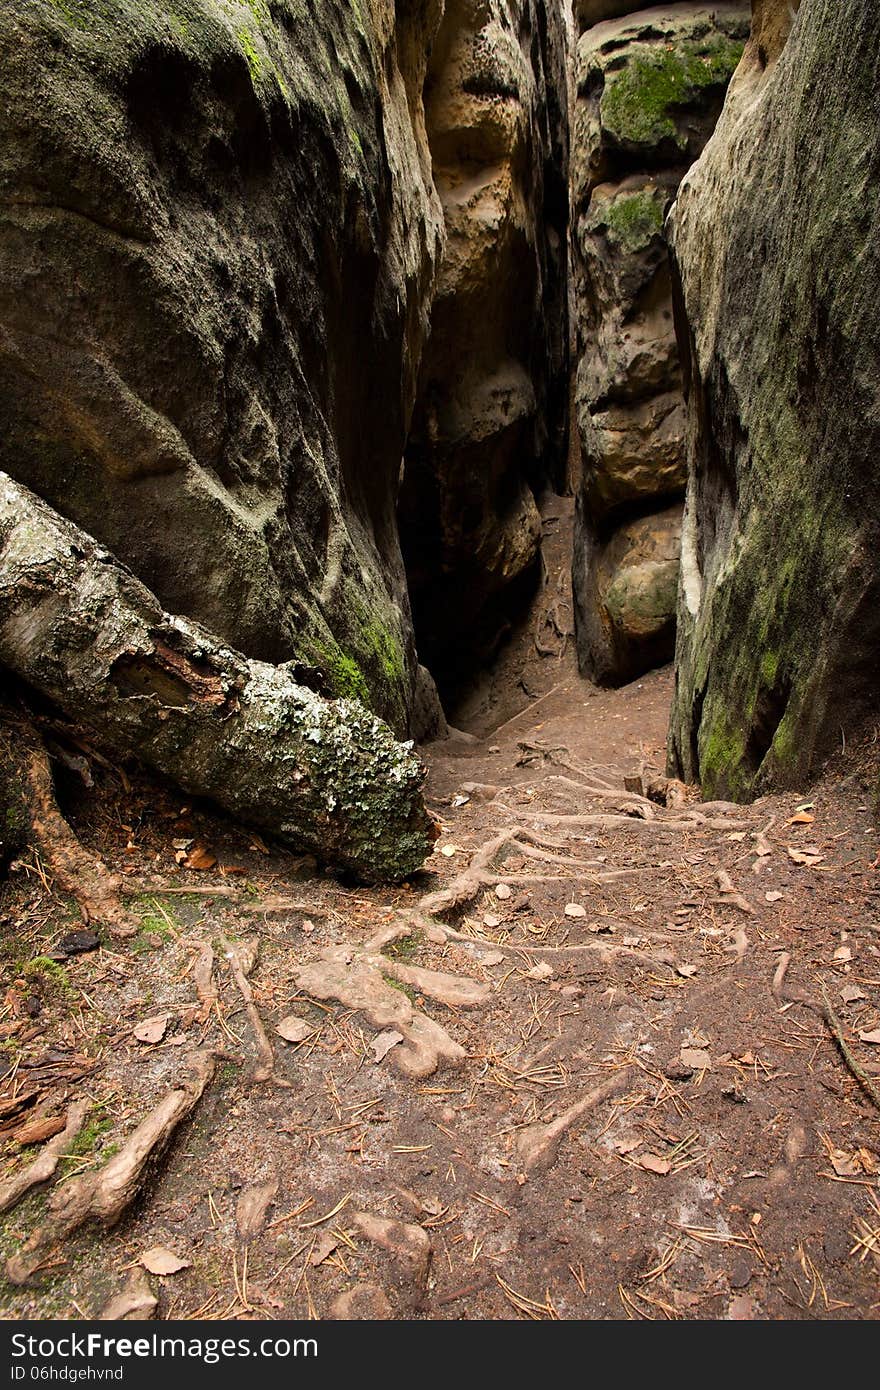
77 626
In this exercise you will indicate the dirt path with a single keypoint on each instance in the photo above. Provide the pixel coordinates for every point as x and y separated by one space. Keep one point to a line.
639 1106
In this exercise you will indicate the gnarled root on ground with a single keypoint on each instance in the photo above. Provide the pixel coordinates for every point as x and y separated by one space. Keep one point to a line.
359 978
242 958
43 1168
538 1145
105 1194
28 797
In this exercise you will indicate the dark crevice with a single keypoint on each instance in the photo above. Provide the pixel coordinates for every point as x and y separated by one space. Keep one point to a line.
770 708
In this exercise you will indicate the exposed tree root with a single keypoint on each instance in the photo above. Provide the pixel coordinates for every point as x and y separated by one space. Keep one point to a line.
252 1206
604 951
358 979
76 872
694 820
480 874
242 958
86 879
135 1301
619 797
823 1007
43 1168
730 895
203 978
105 1194
538 1145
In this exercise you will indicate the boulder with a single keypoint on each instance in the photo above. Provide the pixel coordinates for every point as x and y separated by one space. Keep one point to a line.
627 591
779 264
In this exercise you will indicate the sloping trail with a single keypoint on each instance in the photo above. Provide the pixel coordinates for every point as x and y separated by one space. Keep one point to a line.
579 1069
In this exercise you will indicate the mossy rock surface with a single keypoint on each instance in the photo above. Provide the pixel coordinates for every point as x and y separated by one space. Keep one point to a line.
644 103
779 259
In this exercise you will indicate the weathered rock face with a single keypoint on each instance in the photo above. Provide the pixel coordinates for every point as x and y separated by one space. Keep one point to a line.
650 86
776 233
491 412
218 240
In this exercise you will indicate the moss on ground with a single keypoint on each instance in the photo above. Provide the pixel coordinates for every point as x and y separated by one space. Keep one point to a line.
404 988
49 977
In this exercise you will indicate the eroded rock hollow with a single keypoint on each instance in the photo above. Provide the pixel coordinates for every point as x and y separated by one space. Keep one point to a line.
490 420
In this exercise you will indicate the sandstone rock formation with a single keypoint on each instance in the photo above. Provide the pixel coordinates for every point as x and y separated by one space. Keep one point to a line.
491 415
218 240
776 234
650 86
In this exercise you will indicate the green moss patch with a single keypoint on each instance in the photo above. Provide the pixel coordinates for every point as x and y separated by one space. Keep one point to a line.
639 102
633 219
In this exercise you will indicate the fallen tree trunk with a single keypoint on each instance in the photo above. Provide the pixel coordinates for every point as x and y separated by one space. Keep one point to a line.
77 626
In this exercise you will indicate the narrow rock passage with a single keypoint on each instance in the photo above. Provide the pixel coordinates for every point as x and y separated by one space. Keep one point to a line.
580 1067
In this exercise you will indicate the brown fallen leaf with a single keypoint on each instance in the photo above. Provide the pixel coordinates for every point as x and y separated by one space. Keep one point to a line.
151 1030
801 818
684 1298
845 1165
383 1043
808 857
741 1308
686 971
542 971
324 1246
697 1058
653 1163
159 1260
773 896
628 1146
200 859
575 910
851 993
872 1037
294 1029
492 958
